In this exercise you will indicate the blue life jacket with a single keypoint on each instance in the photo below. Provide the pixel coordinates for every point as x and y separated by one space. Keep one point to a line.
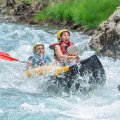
39 60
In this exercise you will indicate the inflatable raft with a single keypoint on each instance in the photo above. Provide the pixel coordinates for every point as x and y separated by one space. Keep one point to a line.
47 69
90 72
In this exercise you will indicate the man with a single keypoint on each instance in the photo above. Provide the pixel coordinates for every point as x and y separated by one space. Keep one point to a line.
39 58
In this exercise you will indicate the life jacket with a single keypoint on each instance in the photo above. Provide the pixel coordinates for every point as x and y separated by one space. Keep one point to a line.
63 47
38 60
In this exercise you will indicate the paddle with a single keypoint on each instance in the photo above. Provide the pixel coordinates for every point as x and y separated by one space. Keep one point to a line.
6 56
73 50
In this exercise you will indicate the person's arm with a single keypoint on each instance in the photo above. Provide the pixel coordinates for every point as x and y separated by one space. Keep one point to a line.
60 55
29 63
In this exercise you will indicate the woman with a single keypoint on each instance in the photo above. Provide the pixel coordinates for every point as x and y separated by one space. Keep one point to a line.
39 58
60 49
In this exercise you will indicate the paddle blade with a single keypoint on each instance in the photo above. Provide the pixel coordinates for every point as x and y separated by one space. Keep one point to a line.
73 50
6 56
61 70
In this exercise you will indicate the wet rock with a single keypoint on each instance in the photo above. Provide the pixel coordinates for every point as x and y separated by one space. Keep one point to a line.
6 18
106 40
24 11
75 26
118 87
38 6
10 3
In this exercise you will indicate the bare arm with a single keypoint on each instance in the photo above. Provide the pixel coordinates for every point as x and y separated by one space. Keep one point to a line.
29 64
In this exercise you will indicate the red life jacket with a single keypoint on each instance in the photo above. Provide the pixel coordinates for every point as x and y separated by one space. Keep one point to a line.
63 47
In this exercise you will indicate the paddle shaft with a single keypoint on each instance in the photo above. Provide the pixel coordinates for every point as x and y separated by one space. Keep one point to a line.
22 61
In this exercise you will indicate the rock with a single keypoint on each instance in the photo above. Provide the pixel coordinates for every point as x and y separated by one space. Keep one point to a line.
106 40
118 87
24 11
74 26
10 3
5 18
38 6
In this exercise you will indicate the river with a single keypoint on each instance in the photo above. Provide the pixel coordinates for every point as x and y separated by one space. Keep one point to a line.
22 98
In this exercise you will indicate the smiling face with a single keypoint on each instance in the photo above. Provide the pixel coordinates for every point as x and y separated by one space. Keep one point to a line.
39 49
65 37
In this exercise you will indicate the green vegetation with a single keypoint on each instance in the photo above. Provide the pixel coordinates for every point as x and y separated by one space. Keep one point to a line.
89 13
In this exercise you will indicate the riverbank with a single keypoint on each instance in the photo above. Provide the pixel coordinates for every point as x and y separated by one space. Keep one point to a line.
81 15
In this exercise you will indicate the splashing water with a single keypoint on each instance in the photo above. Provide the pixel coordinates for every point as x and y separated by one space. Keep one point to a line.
28 99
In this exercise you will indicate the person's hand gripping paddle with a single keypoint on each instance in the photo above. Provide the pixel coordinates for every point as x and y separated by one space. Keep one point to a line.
73 50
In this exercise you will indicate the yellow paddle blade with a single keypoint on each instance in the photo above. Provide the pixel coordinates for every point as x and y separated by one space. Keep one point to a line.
61 70
42 70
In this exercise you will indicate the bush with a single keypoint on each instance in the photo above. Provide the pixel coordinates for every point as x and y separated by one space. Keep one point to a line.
89 13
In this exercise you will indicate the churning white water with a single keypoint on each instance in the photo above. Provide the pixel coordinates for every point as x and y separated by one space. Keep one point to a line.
22 98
